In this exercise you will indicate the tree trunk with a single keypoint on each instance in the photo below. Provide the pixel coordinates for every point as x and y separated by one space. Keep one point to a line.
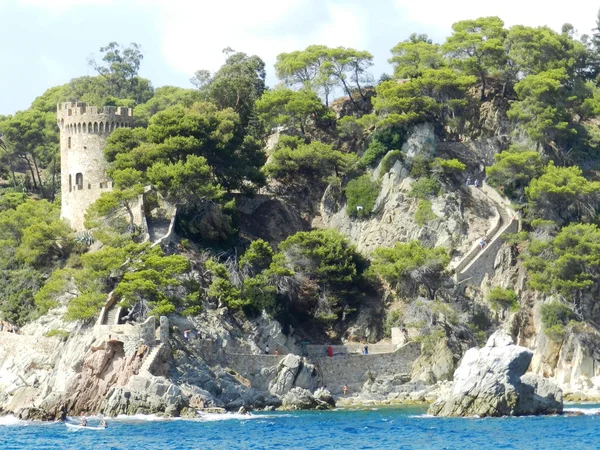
35 186
37 171
347 89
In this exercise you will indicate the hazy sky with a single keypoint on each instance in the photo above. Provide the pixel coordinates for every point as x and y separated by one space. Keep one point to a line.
44 43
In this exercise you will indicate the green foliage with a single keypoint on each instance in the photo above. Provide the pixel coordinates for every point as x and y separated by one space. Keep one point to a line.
555 316
420 166
436 95
222 289
257 257
325 255
430 341
10 200
568 264
361 192
33 234
17 290
307 164
374 152
408 267
319 274
238 84
513 171
477 47
542 106
413 56
501 298
164 97
388 161
119 69
424 213
353 128
448 167
200 130
291 109
55 332
563 195
138 272
322 69
425 188
187 184
393 318
29 141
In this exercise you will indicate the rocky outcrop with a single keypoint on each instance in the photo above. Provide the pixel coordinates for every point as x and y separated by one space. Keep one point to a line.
292 371
491 381
298 399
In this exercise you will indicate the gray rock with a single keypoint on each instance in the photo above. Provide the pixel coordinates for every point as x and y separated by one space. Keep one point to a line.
300 399
490 382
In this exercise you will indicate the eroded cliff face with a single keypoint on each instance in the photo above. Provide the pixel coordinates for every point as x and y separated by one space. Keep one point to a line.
463 216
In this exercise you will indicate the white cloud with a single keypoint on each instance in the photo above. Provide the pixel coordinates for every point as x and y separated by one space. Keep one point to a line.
194 34
439 15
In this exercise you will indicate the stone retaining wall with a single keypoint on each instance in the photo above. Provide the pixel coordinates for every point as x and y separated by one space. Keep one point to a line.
335 372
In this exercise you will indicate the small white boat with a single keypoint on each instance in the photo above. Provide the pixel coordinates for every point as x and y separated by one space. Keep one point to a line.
81 427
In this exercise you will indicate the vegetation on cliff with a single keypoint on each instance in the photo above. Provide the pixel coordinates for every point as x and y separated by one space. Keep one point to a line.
203 150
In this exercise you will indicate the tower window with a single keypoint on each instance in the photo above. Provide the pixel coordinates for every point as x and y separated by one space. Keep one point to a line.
79 181
69 142
70 182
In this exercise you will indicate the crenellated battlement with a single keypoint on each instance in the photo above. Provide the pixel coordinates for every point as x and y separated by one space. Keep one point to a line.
79 117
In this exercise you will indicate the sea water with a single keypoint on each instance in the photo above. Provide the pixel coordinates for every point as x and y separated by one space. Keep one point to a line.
374 428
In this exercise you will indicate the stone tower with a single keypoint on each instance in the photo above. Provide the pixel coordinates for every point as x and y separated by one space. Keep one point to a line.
83 133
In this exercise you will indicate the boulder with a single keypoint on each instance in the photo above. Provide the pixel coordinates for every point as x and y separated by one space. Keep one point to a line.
491 381
293 371
298 399
322 394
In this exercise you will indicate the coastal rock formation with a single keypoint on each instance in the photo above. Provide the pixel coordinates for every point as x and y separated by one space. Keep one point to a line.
298 399
292 371
491 381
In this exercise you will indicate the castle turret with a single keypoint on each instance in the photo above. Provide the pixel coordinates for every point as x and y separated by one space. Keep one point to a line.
83 133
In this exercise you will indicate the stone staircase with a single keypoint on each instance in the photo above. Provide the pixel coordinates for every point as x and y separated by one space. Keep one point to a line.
110 316
151 357
478 262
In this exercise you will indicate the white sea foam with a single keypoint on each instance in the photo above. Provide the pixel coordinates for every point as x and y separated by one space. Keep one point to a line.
11 421
203 417
586 411
140 418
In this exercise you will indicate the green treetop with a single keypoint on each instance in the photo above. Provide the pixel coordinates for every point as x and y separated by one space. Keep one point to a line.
477 47
414 55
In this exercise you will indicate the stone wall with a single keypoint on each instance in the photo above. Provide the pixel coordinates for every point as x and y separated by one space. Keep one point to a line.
349 369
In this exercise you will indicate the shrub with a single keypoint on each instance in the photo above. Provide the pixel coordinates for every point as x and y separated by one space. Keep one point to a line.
555 316
393 319
513 171
361 192
257 257
55 332
429 342
425 188
424 213
374 152
420 166
410 267
388 161
501 298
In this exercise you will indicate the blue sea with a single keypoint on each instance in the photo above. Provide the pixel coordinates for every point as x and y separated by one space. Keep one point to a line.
376 428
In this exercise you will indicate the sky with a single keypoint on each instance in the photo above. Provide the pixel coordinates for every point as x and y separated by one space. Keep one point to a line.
44 43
